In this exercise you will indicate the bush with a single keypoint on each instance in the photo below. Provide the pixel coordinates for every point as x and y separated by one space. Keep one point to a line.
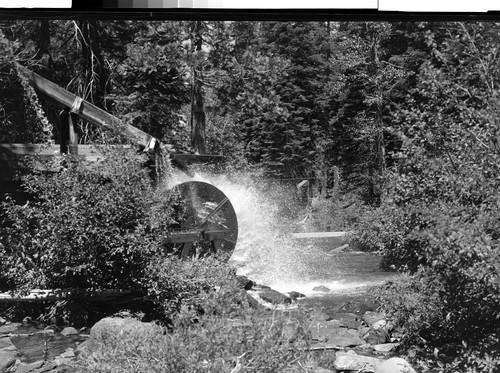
386 230
174 284
453 298
421 311
256 340
84 226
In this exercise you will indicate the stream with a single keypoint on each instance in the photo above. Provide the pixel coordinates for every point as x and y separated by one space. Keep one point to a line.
267 253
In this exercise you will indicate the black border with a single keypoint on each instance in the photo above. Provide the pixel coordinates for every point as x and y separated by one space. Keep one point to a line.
93 12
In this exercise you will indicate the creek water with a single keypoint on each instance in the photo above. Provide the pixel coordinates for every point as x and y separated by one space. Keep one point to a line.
267 253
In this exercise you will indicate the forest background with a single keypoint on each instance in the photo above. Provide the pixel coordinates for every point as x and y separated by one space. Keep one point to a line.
407 111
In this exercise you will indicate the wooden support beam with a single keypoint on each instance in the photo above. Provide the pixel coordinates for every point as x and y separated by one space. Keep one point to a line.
69 138
195 236
319 234
88 111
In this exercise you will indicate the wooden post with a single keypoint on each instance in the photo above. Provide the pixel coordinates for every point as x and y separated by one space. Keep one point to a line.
336 179
69 138
324 182
303 190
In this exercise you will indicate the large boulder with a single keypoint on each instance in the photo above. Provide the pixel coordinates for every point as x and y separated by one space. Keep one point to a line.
112 328
394 365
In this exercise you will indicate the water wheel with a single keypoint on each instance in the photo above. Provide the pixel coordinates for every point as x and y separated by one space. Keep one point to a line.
206 223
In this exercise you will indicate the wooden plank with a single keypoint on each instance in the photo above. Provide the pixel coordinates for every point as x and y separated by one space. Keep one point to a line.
319 234
339 249
197 158
323 346
194 236
29 149
88 111
54 295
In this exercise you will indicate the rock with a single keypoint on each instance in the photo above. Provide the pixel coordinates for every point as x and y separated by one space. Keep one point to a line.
320 370
318 316
296 295
6 364
363 330
66 358
351 361
69 353
88 345
2 321
349 320
274 297
244 282
321 289
373 317
29 367
385 347
352 307
69 331
366 347
47 367
376 337
346 338
322 330
27 321
394 365
8 354
9 328
381 324
333 334
113 327
251 300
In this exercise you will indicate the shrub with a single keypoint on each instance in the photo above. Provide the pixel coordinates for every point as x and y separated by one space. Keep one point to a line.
387 230
421 311
173 284
256 340
453 298
84 226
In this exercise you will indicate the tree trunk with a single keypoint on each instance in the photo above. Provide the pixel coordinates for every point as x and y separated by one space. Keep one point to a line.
198 136
96 74
43 40
379 124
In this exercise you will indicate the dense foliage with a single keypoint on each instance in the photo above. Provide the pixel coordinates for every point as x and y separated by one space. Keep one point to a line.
83 227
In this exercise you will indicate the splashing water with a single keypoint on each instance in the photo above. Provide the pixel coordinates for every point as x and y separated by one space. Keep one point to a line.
263 251
266 252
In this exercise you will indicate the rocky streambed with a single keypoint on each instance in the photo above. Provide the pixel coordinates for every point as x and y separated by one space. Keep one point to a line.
358 338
